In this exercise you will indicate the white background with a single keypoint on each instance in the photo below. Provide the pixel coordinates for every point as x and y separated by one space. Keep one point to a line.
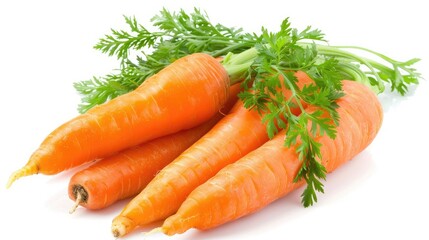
45 46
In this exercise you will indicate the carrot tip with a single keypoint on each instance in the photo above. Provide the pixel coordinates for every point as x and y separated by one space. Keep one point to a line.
122 225
118 230
79 198
27 170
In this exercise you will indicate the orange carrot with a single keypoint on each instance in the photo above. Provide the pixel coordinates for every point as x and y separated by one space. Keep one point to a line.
181 96
125 174
267 173
238 133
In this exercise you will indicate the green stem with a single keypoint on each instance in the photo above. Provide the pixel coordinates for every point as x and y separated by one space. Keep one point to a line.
357 74
217 38
347 70
237 65
337 52
229 49
382 56
292 88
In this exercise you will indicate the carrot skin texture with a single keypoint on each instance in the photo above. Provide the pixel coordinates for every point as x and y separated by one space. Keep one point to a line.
222 145
164 194
126 173
181 96
267 173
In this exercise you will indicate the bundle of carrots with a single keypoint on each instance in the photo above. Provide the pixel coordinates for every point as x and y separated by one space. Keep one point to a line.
213 124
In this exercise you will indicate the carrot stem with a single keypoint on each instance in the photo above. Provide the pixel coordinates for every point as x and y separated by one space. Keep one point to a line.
237 65
336 51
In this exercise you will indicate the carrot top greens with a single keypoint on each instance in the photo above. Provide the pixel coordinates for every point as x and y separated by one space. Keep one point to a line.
264 63
179 34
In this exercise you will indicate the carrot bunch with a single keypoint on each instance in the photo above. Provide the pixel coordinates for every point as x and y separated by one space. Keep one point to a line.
214 124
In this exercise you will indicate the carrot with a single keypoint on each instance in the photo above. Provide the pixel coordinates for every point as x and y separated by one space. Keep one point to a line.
125 174
181 96
268 173
238 133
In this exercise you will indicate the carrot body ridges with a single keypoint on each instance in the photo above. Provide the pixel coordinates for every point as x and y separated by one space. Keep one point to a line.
267 173
186 93
123 174
126 173
222 145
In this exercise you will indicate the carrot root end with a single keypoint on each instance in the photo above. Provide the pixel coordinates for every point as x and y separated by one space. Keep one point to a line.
118 230
121 226
79 199
81 196
27 170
